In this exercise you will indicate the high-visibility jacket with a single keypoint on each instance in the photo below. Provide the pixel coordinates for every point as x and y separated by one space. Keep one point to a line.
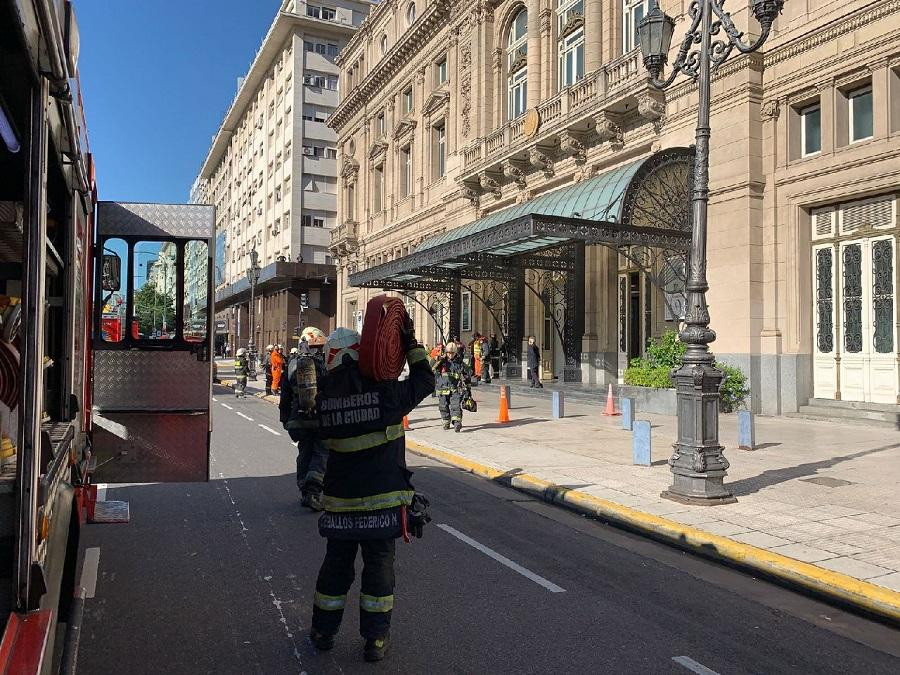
361 425
451 375
241 368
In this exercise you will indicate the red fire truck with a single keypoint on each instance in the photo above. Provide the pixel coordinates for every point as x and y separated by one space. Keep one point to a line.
74 402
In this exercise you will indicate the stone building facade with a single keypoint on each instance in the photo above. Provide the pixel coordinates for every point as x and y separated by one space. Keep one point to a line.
271 172
458 113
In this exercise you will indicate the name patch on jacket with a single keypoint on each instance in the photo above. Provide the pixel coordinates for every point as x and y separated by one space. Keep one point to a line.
384 524
338 410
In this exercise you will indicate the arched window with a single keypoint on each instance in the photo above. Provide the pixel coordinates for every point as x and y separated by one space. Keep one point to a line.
570 37
411 14
384 44
517 65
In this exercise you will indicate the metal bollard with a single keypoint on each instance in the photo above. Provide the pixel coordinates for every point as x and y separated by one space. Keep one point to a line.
627 413
746 430
640 443
559 405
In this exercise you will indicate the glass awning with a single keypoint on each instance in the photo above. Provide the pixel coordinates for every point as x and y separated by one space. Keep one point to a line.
645 202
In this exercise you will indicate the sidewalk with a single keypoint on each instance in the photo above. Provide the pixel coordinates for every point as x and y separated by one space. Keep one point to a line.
818 493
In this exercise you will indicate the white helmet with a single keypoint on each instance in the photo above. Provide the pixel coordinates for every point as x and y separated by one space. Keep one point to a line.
241 351
269 348
294 350
341 341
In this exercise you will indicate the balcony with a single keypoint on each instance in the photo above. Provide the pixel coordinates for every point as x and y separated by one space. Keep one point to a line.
588 112
344 239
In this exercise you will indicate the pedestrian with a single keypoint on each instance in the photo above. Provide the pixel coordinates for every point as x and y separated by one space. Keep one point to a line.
267 367
534 363
495 354
241 371
485 360
475 346
451 382
227 350
298 416
368 498
277 360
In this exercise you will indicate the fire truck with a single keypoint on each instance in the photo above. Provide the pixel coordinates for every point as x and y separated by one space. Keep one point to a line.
82 400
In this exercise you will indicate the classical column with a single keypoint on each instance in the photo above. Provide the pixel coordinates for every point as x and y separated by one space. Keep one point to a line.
534 53
593 35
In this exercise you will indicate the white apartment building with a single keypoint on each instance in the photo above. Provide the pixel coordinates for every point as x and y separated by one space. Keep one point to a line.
271 172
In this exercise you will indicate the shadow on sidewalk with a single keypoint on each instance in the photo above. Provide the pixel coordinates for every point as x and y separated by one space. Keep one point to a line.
501 425
747 486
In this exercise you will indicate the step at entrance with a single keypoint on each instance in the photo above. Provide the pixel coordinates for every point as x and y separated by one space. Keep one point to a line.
880 415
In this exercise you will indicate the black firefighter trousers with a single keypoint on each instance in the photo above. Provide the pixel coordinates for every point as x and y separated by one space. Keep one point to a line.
376 597
312 459
450 406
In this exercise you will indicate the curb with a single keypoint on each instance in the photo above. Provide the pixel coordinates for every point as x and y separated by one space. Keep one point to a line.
846 590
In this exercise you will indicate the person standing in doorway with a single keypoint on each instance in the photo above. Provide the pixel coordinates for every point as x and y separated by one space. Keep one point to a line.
534 363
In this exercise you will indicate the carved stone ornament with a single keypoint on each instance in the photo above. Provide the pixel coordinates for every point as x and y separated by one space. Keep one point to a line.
524 196
435 101
531 123
540 158
770 110
470 193
514 170
378 147
404 127
546 21
607 128
497 59
651 107
465 88
489 184
575 22
571 144
349 169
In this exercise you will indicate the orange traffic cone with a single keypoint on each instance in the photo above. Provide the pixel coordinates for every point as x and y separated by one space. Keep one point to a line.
503 417
610 405
405 423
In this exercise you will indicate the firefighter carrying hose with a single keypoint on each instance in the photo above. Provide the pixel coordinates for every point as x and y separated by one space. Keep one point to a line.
452 381
369 500
297 412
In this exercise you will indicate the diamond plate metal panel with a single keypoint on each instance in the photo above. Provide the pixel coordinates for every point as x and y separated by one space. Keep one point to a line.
151 448
150 380
193 221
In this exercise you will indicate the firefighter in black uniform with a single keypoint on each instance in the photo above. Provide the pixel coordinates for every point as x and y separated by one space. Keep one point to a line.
369 500
299 419
452 379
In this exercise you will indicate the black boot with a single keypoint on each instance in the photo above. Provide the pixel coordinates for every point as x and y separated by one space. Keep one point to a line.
446 426
321 641
376 648
457 427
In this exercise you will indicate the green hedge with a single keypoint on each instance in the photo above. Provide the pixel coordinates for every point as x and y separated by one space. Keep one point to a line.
664 354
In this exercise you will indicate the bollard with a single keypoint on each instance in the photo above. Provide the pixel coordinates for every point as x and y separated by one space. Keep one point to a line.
746 430
559 405
640 443
627 413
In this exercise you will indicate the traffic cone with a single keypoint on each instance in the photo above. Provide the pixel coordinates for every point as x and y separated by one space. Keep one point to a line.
610 405
503 417
405 423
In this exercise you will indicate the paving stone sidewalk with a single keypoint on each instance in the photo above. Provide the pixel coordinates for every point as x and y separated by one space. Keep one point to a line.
823 493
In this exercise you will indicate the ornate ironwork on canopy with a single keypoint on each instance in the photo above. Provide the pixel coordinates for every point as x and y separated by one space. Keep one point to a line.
640 205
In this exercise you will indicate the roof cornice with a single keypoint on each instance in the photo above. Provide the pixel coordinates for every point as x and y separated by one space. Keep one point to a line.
426 26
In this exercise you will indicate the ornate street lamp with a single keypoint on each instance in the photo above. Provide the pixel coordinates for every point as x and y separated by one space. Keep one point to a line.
697 463
253 277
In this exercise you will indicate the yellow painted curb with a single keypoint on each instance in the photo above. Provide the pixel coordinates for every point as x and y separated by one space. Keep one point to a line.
869 597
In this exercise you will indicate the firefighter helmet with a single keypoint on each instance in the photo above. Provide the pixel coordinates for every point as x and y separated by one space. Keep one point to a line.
313 336
342 341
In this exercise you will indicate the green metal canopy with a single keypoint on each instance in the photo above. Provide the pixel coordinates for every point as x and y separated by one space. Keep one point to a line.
645 202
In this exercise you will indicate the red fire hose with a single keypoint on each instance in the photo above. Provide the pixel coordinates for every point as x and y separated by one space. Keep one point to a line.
382 353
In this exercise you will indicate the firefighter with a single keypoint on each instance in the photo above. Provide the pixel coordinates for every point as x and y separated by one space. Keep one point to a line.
241 370
298 416
452 379
369 499
277 369
486 360
267 367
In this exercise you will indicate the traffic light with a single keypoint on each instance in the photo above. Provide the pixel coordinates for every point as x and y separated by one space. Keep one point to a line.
304 301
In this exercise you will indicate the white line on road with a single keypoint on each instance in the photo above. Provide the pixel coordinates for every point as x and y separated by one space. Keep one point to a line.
246 417
89 571
692 665
271 431
101 492
225 405
503 560
215 399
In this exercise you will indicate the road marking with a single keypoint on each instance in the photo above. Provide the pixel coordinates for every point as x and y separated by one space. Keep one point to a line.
271 431
692 665
215 399
101 492
246 417
503 560
225 405
89 571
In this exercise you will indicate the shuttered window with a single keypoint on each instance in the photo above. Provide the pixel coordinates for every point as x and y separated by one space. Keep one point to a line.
871 213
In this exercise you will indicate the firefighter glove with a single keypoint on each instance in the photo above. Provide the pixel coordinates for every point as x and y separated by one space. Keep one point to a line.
418 515
408 333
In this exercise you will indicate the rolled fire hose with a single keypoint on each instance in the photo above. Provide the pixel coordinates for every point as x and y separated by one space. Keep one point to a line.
382 352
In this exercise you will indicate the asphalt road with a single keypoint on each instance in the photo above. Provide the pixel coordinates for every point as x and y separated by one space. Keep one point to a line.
219 577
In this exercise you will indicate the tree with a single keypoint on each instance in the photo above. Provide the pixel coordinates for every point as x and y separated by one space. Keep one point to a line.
153 309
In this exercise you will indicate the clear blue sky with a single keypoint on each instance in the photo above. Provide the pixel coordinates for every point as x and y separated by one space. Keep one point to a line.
157 77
